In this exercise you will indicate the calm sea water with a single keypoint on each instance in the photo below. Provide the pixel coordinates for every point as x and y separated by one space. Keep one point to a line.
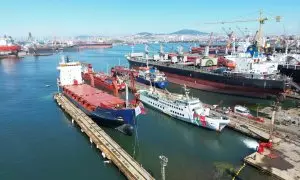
39 142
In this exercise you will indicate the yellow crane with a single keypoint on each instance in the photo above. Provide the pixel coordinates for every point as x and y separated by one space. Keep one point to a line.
261 20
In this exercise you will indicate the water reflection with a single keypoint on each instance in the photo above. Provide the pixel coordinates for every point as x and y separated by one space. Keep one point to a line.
9 65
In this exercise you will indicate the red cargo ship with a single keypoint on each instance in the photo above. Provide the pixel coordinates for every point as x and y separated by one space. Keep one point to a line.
102 80
123 71
101 106
8 47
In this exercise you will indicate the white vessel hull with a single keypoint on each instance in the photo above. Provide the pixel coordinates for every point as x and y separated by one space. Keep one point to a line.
184 113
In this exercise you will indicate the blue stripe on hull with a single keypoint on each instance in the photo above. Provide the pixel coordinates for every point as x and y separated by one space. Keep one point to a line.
158 84
161 84
109 115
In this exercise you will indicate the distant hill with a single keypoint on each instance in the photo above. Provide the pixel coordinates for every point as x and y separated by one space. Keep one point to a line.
189 32
144 34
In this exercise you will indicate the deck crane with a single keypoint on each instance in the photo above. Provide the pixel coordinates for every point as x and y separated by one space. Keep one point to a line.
261 20
230 41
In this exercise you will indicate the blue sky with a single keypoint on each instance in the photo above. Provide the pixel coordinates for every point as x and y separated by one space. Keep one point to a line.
119 17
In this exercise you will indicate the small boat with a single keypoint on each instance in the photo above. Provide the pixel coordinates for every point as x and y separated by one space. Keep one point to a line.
244 111
183 107
152 76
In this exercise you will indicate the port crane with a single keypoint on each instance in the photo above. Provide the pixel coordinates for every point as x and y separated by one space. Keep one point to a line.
261 20
230 41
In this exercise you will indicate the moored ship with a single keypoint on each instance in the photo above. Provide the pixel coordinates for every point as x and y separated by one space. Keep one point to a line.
93 45
183 107
112 83
8 47
151 76
204 74
101 106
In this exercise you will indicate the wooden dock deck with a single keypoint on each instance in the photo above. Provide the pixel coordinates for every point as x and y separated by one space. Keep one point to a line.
130 168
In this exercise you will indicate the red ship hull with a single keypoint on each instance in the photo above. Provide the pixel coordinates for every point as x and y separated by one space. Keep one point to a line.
13 48
104 81
123 71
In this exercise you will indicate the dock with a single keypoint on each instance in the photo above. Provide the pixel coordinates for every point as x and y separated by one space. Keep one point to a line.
126 164
282 161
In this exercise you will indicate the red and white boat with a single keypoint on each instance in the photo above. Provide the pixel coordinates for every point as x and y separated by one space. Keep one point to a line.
8 47
124 71
103 80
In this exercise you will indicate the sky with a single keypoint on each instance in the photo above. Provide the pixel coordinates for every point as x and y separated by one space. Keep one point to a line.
126 17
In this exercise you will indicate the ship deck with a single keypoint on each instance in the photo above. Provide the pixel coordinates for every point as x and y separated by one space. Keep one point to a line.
94 96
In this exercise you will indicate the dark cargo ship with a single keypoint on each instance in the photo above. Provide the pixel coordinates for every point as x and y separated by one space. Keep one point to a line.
291 70
221 81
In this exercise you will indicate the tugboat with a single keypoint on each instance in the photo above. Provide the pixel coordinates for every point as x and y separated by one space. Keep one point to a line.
151 76
112 83
100 106
183 107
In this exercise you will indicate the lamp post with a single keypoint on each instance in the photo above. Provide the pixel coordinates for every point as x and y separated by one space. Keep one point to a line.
163 162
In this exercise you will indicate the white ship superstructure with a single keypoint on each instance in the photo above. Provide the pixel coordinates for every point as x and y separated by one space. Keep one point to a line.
184 108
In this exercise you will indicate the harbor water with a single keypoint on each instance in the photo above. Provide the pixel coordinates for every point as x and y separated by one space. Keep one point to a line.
38 140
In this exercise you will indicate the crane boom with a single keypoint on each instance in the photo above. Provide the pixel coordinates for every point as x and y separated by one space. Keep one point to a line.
261 20
237 21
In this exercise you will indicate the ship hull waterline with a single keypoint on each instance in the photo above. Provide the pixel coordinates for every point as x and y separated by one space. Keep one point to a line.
97 116
212 86
208 125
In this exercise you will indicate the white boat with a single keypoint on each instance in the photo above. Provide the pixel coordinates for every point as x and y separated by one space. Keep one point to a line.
183 107
242 110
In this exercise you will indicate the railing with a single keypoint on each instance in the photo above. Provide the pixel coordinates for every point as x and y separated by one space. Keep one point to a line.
204 70
288 66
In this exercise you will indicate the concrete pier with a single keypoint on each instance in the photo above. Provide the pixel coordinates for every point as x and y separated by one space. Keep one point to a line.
282 161
112 151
